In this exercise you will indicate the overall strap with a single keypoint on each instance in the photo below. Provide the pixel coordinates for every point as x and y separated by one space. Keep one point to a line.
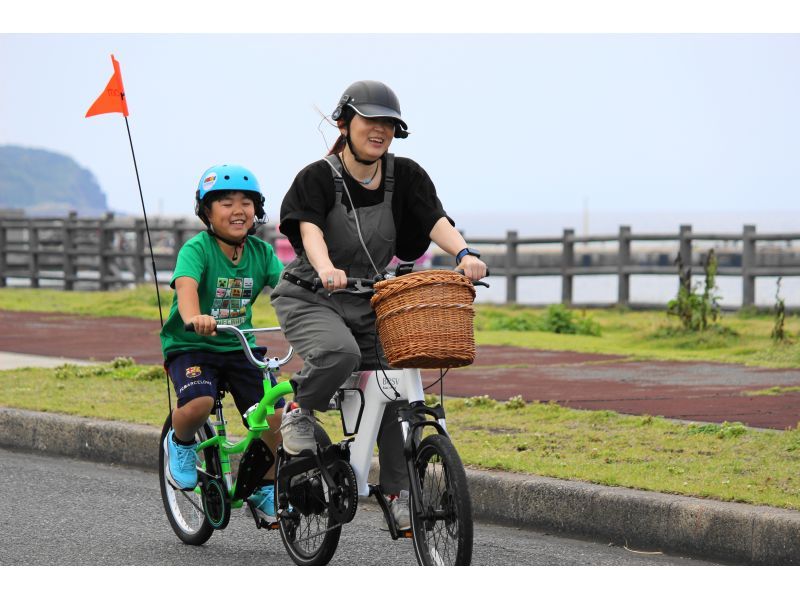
336 170
388 181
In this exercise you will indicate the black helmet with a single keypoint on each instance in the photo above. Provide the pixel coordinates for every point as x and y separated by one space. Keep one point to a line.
372 99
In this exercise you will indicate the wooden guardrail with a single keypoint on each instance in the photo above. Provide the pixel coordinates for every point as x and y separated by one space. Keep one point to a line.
99 253
740 258
108 252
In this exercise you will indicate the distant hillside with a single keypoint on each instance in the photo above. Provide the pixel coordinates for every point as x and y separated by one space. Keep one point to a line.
45 183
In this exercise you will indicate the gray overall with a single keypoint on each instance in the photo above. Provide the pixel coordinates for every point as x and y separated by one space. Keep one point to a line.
335 335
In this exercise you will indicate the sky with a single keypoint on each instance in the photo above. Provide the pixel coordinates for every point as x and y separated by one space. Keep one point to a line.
516 130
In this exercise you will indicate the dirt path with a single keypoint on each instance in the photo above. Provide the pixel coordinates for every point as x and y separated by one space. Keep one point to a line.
699 391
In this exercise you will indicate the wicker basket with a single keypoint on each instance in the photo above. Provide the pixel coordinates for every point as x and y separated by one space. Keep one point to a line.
425 319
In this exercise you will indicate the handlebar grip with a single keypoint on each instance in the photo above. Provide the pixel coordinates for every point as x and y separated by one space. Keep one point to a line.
351 282
478 283
188 327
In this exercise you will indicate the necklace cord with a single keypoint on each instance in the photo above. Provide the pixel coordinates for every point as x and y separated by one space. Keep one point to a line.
362 181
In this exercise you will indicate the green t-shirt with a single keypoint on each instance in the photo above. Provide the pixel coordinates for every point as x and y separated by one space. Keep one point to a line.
226 291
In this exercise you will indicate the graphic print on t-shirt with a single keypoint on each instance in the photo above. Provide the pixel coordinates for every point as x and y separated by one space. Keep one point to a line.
228 307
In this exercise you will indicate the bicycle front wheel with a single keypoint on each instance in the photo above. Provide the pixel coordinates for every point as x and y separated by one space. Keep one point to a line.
442 521
184 508
308 529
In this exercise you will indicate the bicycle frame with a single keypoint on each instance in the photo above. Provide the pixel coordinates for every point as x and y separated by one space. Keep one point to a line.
257 424
256 416
362 401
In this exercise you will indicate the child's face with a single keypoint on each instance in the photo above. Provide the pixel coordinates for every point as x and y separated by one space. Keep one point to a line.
233 215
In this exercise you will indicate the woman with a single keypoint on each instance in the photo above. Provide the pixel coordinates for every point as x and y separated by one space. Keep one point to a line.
348 215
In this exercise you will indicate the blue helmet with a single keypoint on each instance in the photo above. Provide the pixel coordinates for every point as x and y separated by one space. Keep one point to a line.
228 177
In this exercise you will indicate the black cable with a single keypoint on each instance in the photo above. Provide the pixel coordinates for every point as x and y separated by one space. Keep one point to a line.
440 379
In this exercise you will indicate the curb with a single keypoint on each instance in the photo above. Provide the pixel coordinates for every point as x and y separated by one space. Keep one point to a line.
703 528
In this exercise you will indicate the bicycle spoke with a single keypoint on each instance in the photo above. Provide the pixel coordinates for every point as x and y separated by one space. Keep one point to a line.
192 502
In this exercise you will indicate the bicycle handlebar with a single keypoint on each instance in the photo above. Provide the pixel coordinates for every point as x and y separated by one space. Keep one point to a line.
248 351
364 285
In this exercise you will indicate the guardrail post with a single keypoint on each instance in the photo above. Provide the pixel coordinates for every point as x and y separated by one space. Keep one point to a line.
68 240
179 240
3 254
106 237
140 257
511 266
685 257
567 263
748 264
624 260
33 249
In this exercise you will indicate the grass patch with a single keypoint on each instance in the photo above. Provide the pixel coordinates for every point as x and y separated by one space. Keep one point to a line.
652 335
556 319
140 302
726 461
773 391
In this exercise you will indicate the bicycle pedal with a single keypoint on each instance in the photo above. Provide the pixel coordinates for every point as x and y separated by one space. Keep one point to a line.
261 523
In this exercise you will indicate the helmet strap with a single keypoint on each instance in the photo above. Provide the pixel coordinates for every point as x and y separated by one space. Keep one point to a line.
237 245
355 155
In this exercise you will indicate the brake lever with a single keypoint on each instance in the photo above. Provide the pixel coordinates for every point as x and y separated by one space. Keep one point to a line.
358 289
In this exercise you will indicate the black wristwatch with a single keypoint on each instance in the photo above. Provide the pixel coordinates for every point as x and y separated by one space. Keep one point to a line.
466 251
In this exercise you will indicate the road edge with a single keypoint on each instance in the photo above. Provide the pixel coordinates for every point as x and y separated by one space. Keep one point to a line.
639 520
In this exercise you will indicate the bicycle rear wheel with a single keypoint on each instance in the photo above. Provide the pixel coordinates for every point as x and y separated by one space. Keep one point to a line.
443 527
184 508
308 530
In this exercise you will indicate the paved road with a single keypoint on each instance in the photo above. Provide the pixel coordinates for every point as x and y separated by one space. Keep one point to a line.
68 512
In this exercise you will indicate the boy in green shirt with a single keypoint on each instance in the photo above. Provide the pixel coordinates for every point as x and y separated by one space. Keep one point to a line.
218 276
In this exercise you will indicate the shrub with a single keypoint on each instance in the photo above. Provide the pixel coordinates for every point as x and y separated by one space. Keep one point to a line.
557 319
696 311
480 401
516 402
561 320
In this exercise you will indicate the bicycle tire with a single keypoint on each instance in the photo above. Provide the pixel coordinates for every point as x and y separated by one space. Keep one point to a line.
442 531
184 508
312 538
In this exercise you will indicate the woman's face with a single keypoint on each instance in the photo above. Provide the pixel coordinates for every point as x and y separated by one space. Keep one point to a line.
232 215
371 137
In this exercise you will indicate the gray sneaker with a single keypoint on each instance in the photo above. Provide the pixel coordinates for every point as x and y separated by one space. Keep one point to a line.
399 509
297 430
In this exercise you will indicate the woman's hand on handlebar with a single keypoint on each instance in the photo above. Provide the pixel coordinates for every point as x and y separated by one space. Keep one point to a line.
472 267
204 325
333 278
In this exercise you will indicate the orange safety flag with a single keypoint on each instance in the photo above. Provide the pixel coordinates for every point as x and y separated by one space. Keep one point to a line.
113 97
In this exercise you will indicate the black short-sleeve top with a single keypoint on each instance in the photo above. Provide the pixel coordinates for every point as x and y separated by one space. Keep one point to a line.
415 205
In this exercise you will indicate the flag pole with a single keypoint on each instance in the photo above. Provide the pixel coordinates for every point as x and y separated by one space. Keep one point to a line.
149 242
113 100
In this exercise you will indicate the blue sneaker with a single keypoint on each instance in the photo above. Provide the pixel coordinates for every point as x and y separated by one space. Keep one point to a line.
182 463
263 500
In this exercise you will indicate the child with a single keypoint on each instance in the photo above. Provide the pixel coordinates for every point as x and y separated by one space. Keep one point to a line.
218 276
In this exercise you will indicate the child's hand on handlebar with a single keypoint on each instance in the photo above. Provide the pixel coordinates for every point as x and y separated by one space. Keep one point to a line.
204 324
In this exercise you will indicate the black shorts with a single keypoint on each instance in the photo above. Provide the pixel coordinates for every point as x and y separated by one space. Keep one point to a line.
203 373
